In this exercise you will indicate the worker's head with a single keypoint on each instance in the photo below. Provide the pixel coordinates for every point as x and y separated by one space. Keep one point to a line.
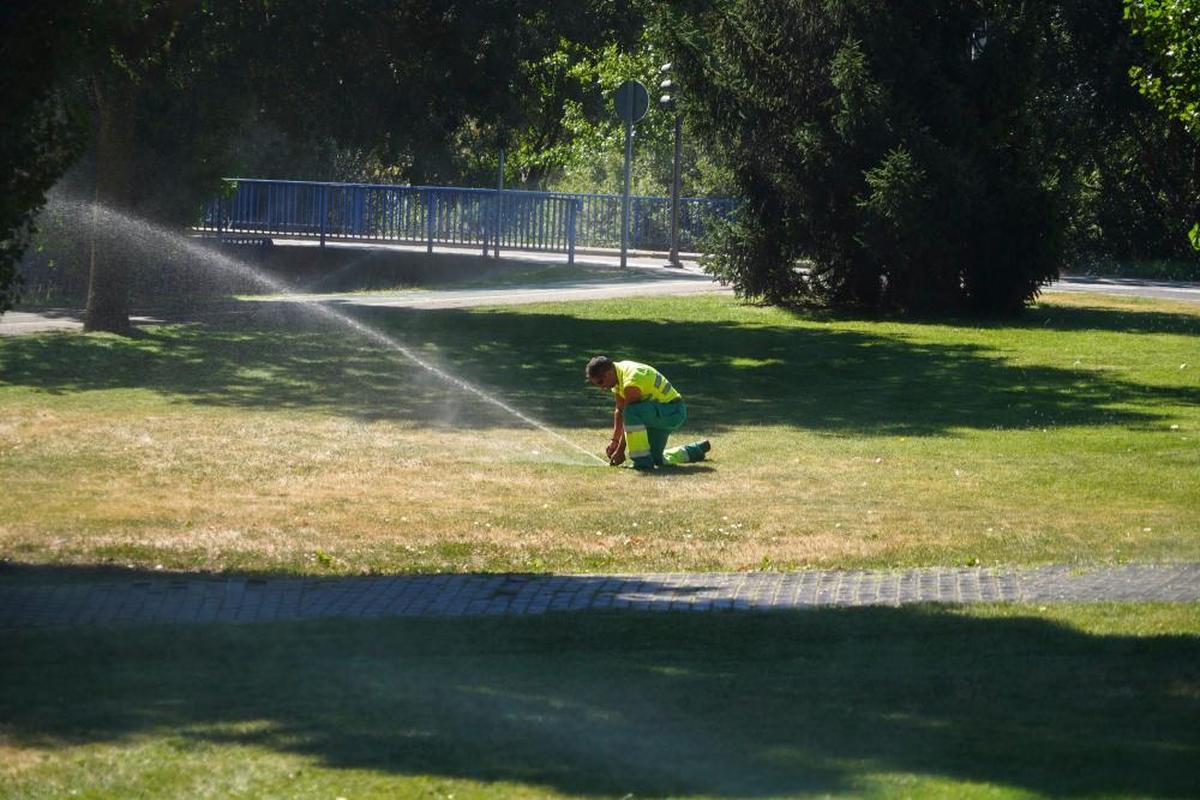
601 372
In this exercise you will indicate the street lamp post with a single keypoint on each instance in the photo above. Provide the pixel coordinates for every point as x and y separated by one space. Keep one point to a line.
668 102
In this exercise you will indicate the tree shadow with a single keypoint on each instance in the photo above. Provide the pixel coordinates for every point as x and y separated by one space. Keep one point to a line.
278 355
729 705
1098 318
1042 316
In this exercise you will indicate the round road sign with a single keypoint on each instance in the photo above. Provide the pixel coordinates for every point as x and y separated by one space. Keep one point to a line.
631 101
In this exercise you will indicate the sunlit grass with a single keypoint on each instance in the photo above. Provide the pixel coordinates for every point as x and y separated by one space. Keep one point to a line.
264 442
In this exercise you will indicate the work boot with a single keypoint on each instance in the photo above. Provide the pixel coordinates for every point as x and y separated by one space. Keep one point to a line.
696 450
643 464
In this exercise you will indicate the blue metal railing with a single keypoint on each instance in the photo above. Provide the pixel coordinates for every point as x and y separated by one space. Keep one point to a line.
430 215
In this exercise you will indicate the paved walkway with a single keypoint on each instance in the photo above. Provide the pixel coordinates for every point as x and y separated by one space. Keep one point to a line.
646 276
1128 287
641 280
196 599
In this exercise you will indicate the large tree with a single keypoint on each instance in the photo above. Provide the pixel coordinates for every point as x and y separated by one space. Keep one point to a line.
912 156
128 50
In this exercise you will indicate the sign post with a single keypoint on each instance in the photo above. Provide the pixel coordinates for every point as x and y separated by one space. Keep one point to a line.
631 101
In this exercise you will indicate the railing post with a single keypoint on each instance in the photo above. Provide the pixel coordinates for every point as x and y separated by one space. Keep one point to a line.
324 212
572 214
634 235
430 211
484 224
358 211
498 228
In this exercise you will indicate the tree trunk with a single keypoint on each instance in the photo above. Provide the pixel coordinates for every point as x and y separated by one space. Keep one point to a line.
108 286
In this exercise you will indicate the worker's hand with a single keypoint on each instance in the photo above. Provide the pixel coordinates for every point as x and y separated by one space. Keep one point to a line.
613 447
615 452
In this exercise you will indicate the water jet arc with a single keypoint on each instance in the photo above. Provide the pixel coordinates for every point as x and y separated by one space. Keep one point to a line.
143 232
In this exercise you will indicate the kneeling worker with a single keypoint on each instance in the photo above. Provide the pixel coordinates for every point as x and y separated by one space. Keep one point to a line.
648 409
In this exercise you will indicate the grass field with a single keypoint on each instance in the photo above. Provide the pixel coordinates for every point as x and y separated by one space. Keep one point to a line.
264 442
988 701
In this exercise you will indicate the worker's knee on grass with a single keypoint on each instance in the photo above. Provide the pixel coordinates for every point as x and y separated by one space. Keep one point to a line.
685 454
676 455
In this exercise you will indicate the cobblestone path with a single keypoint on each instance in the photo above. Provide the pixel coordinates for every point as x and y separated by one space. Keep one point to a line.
210 599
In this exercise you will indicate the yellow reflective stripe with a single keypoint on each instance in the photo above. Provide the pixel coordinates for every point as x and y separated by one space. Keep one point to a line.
637 440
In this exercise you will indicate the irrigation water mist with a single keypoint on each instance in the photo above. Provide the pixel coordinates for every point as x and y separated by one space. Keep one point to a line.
153 237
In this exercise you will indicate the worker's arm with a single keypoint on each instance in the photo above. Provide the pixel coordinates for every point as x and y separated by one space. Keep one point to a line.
632 395
618 434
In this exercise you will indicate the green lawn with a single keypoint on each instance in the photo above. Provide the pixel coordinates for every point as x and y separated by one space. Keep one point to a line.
265 442
990 701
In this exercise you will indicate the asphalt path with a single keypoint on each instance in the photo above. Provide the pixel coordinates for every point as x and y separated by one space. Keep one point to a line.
641 280
644 277
1129 287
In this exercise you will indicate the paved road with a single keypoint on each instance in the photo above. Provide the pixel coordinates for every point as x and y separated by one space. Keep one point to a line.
195 599
640 281
646 277
1130 287
643 279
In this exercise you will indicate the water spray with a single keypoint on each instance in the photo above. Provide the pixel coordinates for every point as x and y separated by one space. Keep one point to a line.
142 227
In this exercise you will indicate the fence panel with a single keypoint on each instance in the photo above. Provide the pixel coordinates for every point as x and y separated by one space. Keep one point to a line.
481 218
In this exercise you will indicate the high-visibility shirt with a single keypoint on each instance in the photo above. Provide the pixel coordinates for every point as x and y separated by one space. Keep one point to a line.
650 381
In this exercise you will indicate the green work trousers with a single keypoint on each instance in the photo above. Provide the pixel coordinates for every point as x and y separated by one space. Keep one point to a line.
647 426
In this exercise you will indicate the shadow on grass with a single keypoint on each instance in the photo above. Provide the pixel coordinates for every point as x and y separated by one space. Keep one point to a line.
1089 318
276 356
1048 316
650 705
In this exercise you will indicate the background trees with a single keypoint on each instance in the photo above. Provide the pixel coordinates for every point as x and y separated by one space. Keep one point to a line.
943 157
171 94
921 157
42 129
1170 30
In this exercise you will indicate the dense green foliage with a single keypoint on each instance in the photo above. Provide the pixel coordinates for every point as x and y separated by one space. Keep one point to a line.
584 150
939 157
1135 189
40 131
173 94
905 156
1171 32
